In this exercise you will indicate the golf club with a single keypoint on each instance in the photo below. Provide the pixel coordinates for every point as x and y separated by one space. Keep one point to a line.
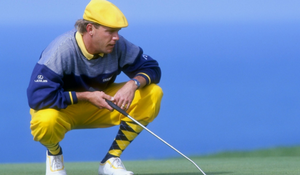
127 115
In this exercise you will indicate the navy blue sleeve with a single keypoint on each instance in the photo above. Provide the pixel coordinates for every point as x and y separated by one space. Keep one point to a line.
45 90
145 66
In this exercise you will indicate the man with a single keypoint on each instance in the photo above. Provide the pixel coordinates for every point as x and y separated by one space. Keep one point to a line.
74 76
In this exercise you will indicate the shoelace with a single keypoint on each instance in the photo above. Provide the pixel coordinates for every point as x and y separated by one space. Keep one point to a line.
117 163
56 163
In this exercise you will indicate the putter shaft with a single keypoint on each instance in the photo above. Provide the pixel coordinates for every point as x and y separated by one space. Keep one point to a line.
127 115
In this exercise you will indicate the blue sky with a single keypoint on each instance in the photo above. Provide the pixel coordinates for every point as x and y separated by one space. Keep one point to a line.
57 11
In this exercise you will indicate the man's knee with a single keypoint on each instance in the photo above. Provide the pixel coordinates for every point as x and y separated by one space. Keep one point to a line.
152 93
156 91
47 126
148 103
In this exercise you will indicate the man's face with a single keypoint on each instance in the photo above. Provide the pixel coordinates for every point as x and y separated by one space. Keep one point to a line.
104 39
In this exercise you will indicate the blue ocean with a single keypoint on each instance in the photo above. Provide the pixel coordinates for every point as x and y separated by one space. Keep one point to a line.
227 87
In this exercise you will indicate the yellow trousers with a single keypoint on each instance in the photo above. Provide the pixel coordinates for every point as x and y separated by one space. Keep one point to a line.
49 126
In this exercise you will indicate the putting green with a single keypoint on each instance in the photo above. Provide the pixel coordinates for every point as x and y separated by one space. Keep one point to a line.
279 161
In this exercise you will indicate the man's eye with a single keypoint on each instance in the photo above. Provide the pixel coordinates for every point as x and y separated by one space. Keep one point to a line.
112 31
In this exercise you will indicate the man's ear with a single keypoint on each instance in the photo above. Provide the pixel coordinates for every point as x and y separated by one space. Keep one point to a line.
90 29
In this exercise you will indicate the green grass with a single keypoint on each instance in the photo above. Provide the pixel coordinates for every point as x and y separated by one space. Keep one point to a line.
272 152
279 161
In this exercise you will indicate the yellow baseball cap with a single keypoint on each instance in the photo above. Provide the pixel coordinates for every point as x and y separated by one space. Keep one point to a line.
105 13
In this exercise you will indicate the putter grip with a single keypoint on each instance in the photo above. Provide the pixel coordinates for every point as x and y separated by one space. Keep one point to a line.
116 107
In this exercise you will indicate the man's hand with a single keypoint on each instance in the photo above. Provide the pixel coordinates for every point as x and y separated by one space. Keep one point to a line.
124 97
97 98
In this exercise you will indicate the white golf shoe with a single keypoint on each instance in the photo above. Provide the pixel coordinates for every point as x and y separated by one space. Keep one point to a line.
113 166
55 165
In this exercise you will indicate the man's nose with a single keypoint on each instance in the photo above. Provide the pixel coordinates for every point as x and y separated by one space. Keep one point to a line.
116 36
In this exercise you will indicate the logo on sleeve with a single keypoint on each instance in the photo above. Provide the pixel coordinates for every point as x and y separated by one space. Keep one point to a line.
107 79
145 56
40 79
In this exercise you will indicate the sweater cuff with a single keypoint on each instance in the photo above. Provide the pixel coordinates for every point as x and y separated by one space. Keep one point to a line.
71 97
147 78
